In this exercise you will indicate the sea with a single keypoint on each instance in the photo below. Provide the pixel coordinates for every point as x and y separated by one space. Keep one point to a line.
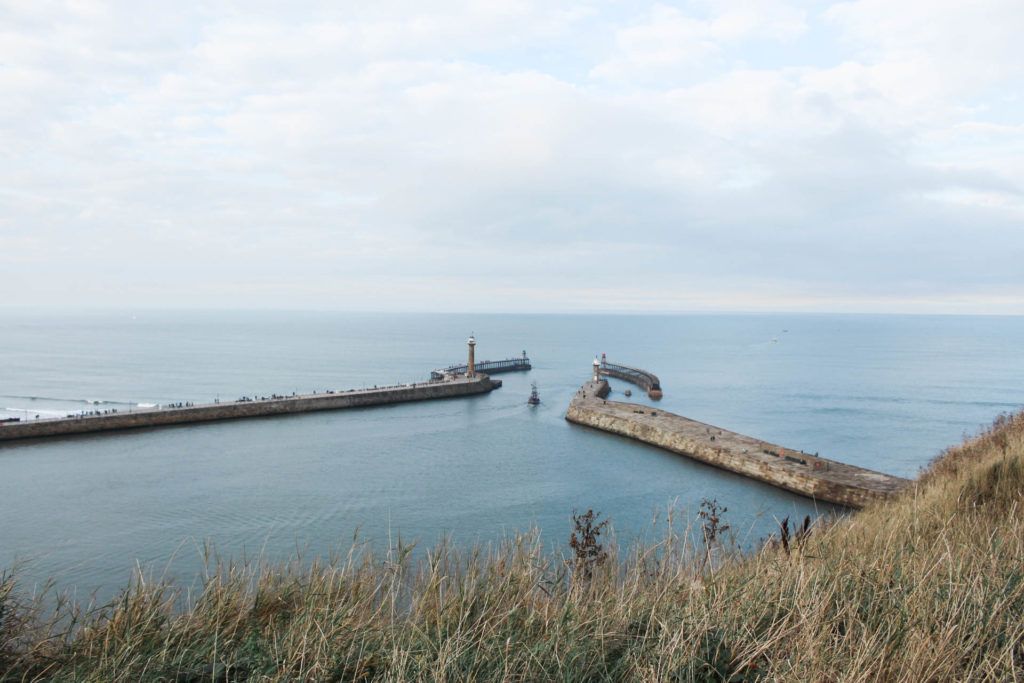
88 512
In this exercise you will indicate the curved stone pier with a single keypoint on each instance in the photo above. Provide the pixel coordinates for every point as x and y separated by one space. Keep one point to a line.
647 381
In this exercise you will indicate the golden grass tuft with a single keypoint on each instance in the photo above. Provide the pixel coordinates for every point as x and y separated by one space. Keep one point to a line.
927 587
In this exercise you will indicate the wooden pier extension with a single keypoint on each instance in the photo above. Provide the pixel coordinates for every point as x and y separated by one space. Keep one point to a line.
491 367
807 475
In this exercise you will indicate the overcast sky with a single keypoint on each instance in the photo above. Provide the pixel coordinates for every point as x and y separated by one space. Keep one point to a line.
514 155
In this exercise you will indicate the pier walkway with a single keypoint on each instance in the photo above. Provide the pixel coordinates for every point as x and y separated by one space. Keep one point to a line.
245 408
647 381
795 471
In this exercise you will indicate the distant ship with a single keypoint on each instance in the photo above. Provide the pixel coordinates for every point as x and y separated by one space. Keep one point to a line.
534 399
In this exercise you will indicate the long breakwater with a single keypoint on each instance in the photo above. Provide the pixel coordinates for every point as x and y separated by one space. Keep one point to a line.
248 408
786 468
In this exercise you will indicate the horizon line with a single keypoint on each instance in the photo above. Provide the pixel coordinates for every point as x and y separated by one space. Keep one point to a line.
44 309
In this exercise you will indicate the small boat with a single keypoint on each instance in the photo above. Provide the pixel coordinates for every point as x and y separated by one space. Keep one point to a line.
534 399
628 392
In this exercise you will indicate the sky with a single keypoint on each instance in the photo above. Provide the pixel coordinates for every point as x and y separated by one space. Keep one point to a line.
513 155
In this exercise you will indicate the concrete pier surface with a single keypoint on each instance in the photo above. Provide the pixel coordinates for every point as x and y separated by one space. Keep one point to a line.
233 410
807 475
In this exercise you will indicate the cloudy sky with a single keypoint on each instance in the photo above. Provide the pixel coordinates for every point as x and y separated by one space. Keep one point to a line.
514 155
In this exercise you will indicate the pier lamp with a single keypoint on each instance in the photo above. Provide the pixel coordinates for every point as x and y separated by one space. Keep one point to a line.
471 365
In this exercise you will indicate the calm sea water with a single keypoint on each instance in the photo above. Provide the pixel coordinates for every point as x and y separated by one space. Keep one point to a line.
884 392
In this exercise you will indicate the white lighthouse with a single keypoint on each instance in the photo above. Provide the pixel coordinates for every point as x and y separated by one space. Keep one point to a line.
471 364
597 369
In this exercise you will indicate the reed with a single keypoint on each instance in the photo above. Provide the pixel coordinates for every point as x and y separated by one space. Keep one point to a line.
927 587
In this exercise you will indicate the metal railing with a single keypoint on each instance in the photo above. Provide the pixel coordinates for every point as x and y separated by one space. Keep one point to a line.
487 366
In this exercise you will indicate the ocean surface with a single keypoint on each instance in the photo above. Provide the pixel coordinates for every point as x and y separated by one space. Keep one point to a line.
884 392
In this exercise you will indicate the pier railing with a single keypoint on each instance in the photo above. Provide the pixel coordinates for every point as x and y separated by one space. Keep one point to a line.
490 367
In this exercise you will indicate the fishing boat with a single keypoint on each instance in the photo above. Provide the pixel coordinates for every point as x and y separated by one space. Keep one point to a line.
534 399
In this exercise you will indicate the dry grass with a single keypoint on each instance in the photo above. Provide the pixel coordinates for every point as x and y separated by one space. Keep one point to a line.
929 587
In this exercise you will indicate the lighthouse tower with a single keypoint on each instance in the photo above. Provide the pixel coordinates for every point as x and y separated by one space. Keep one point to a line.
597 369
471 365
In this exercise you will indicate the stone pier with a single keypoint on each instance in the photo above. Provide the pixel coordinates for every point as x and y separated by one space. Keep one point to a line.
234 410
808 475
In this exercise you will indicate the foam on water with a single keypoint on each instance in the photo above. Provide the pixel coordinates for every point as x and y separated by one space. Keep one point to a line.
15 410
51 399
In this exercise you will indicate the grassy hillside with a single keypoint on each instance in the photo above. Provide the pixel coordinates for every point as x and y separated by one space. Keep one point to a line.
929 587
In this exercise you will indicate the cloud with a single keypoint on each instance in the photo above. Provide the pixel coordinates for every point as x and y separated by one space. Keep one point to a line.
669 43
398 156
